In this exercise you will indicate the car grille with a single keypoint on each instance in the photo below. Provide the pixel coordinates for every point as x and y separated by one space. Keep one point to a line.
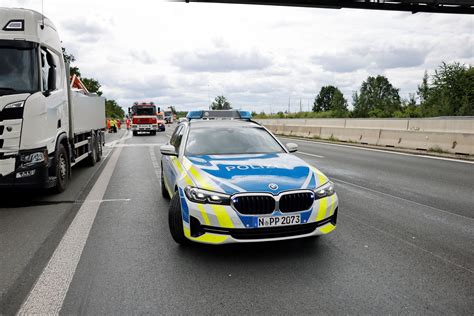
296 202
254 204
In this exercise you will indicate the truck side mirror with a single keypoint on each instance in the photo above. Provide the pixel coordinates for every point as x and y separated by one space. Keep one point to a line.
52 78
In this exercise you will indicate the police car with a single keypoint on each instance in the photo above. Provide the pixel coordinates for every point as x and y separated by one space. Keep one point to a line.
230 180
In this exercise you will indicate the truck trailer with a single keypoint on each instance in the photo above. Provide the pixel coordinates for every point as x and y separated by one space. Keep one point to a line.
46 127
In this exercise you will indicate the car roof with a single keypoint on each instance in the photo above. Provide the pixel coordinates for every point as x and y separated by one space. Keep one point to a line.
223 123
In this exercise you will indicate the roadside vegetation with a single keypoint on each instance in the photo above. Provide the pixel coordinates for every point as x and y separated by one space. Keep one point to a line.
112 109
449 91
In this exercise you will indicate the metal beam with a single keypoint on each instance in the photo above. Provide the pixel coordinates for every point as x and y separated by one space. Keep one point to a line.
414 6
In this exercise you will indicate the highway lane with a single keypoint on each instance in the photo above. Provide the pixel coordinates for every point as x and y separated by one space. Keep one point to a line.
400 246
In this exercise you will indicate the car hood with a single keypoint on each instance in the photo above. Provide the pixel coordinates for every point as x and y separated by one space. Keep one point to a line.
271 173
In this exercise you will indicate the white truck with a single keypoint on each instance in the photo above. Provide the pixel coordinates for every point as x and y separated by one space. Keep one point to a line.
45 126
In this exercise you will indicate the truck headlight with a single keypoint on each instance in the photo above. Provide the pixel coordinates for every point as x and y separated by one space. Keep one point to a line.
15 105
28 159
325 190
206 197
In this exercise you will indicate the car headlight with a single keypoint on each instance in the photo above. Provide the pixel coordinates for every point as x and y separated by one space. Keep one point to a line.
29 159
206 197
325 190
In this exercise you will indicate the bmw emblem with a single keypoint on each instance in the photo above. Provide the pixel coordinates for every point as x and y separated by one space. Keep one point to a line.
273 186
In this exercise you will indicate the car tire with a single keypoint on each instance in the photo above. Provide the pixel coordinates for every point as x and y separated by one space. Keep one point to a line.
164 191
175 221
153 133
62 170
135 133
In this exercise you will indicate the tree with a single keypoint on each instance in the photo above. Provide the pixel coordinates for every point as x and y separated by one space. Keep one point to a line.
451 91
377 98
424 89
113 110
220 103
92 85
323 100
69 59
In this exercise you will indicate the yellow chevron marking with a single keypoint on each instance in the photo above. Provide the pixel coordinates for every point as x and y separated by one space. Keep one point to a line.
181 171
204 214
322 179
207 237
327 228
222 216
323 205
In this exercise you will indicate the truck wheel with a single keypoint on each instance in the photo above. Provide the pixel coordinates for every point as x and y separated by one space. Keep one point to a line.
62 170
164 192
153 133
135 133
99 146
175 221
92 159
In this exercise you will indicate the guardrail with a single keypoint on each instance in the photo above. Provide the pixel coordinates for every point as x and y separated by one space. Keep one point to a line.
450 135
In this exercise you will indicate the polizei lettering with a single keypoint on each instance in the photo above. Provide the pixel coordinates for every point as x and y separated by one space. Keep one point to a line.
252 167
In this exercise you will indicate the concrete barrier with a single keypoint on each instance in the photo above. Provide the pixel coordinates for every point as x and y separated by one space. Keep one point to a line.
446 135
438 125
429 141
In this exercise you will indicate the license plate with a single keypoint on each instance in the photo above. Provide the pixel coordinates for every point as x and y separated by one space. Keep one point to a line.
284 220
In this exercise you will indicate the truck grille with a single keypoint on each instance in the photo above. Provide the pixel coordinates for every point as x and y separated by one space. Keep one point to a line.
254 204
296 202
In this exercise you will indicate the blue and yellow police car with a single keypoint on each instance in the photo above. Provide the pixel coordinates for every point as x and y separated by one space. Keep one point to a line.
230 180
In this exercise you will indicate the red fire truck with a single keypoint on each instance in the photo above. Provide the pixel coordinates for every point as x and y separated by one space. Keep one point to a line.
144 118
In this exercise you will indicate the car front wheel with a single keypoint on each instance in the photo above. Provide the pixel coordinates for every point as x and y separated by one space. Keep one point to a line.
175 221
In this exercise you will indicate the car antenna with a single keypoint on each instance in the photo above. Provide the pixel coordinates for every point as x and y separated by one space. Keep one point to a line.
42 14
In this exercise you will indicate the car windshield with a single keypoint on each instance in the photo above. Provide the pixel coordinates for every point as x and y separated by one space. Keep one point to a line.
230 140
18 67
149 110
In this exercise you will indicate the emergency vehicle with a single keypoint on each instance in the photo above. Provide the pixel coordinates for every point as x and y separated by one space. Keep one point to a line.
160 115
144 118
230 180
48 121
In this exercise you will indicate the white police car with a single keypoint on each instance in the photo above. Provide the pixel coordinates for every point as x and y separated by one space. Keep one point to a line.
230 180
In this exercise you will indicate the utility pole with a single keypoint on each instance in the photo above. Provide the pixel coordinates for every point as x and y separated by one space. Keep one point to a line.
208 97
289 104
301 109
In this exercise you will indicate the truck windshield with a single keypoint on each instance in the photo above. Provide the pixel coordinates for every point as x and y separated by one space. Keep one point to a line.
18 67
167 113
148 110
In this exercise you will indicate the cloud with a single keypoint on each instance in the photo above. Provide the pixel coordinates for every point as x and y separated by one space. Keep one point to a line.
221 60
369 57
88 30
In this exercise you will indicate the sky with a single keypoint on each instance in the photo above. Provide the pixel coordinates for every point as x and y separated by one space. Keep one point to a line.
258 57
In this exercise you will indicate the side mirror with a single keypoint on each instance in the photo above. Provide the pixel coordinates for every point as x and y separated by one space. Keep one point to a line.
168 150
292 147
52 79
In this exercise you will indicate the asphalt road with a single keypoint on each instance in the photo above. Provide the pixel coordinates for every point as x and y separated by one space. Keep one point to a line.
404 243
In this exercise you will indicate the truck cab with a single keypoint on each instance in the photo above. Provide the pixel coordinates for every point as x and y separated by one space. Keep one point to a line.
38 140
144 118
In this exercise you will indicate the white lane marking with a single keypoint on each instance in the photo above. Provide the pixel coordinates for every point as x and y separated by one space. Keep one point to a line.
139 145
156 165
103 201
408 243
400 198
48 293
125 136
308 154
379 150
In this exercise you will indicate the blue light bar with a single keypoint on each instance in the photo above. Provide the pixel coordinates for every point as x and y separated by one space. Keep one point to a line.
194 115
245 115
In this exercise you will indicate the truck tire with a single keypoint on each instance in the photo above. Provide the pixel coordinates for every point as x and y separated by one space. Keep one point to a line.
153 133
135 133
175 221
164 192
99 145
93 156
62 169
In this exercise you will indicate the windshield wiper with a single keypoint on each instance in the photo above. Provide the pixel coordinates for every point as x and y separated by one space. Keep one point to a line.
7 89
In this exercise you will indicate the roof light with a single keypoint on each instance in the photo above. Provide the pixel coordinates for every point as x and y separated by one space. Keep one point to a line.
15 25
194 115
245 115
